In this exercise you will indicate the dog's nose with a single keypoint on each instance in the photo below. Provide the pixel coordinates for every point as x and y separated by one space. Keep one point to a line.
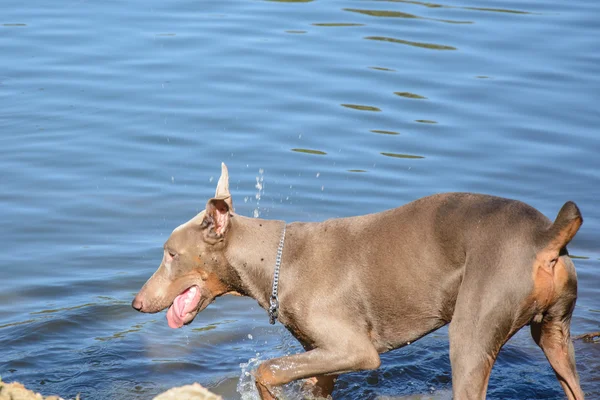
137 304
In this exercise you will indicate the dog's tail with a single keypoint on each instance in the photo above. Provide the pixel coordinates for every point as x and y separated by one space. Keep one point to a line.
564 228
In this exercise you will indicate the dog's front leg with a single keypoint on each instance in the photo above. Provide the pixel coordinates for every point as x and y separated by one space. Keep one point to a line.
319 386
353 355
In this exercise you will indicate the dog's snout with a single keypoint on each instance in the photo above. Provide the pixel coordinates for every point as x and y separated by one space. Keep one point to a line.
137 303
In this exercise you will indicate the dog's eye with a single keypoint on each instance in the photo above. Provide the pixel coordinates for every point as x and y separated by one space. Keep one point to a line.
172 254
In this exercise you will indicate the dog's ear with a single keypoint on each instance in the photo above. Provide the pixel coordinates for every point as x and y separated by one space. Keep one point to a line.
216 220
223 187
218 210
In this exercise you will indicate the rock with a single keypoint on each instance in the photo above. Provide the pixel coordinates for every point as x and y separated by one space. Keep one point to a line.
188 392
16 391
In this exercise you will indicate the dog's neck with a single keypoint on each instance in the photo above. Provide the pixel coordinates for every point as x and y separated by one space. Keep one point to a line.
252 251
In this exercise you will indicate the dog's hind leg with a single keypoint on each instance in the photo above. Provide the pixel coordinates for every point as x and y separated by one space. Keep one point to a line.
556 292
553 335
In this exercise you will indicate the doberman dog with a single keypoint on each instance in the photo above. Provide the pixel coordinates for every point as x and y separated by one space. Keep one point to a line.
352 288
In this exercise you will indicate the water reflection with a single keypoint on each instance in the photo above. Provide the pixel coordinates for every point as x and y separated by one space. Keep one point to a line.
399 14
398 155
500 10
25 322
337 24
213 325
380 13
409 95
122 334
383 69
51 311
361 107
435 5
384 132
310 151
432 46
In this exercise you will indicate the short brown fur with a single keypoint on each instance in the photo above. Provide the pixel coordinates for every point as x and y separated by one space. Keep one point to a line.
352 288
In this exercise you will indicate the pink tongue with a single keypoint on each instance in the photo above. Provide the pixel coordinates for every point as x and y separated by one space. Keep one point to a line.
183 304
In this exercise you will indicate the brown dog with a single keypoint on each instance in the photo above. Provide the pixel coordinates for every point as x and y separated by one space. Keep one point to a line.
353 288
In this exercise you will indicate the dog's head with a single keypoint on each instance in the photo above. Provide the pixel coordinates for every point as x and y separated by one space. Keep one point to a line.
194 270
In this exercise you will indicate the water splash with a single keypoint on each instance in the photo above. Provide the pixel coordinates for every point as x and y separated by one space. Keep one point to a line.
260 190
284 345
247 388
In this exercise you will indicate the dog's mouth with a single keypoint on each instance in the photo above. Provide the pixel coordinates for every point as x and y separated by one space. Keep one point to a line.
184 307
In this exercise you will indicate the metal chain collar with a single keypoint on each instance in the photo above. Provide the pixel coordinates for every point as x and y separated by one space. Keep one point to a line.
274 308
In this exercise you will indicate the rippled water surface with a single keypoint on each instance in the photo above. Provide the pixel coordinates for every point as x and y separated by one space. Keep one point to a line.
115 116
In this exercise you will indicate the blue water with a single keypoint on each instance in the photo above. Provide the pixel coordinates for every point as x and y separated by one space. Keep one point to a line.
115 116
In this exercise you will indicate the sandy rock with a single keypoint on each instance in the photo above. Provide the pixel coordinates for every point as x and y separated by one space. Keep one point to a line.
16 391
188 392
